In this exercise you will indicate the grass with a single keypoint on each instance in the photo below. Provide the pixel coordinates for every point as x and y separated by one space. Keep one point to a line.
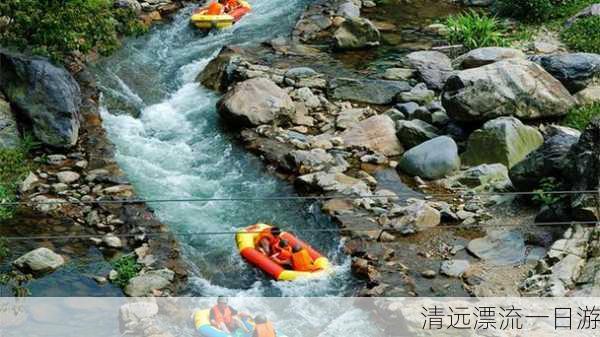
474 30
583 35
127 268
14 165
580 117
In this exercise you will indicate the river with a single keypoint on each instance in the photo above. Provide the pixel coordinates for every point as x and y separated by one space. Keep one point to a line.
176 148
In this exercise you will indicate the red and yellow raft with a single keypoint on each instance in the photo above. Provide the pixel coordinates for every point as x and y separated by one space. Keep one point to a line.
245 239
202 20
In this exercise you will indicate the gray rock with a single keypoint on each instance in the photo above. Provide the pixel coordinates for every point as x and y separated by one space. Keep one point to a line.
376 133
575 71
483 56
589 95
112 241
134 5
220 73
39 261
349 117
419 94
454 268
47 95
502 140
254 102
486 175
414 132
9 133
356 33
407 108
512 87
334 182
31 182
145 284
549 160
416 217
311 160
499 248
398 74
433 159
67 177
366 91
348 9
591 10
432 67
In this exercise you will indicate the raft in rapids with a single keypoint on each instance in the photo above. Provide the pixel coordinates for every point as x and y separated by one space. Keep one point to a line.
246 238
202 20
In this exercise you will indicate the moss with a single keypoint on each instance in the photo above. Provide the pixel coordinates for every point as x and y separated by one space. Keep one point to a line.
580 117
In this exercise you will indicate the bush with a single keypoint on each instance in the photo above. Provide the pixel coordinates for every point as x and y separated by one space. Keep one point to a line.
579 118
475 30
542 195
583 35
57 28
14 165
540 10
127 268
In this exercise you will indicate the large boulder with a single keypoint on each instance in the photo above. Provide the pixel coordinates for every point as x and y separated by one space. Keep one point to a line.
584 160
414 132
39 261
376 133
146 284
356 33
220 71
549 160
255 101
432 159
44 94
366 91
432 67
9 134
504 140
512 87
575 71
486 55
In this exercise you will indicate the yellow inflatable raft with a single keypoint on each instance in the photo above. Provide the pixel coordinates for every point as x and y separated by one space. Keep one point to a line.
206 21
246 238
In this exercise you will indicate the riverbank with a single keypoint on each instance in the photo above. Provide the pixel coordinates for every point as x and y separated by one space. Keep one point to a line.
67 196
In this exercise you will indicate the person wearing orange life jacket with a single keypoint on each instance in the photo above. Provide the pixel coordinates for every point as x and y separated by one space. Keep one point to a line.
283 254
301 259
224 317
268 239
214 8
263 328
230 5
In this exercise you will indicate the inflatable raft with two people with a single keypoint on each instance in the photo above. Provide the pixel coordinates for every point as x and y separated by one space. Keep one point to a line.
219 15
280 255
224 321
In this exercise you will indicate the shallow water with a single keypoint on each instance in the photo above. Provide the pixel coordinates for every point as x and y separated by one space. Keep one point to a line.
176 148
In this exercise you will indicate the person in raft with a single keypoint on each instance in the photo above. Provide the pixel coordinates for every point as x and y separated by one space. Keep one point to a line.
224 317
282 254
301 259
230 5
267 240
262 327
215 8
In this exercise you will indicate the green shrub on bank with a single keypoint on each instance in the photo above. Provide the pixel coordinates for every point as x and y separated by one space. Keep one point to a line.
579 118
474 30
540 10
583 35
57 28
14 165
127 268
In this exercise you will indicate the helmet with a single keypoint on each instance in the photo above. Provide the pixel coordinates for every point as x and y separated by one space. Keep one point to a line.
260 319
222 299
275 230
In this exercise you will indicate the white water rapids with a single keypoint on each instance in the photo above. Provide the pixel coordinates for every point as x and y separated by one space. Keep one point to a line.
176 148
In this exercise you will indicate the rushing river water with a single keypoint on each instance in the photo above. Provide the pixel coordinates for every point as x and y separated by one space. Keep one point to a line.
176 148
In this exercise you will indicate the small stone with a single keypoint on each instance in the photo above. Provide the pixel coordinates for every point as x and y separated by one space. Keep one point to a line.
113 275
56 159
67 177
112 241
428 273
454 268
82 164
60 187
30 183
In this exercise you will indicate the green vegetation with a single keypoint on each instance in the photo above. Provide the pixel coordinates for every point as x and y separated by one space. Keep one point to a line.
580 117
474 30
540 10
14 165
4 250
127 268
583 35
542 195
57 28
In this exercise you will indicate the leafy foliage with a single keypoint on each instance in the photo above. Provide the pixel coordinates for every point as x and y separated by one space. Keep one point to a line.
540 10
127 268
4 250
57 28
583 35
542 195
14 165
579 118
474 30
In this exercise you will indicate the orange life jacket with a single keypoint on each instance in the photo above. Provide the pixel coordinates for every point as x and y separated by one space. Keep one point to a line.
301 261
283 253
222 317
265 233
232 4
264 330
214 8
